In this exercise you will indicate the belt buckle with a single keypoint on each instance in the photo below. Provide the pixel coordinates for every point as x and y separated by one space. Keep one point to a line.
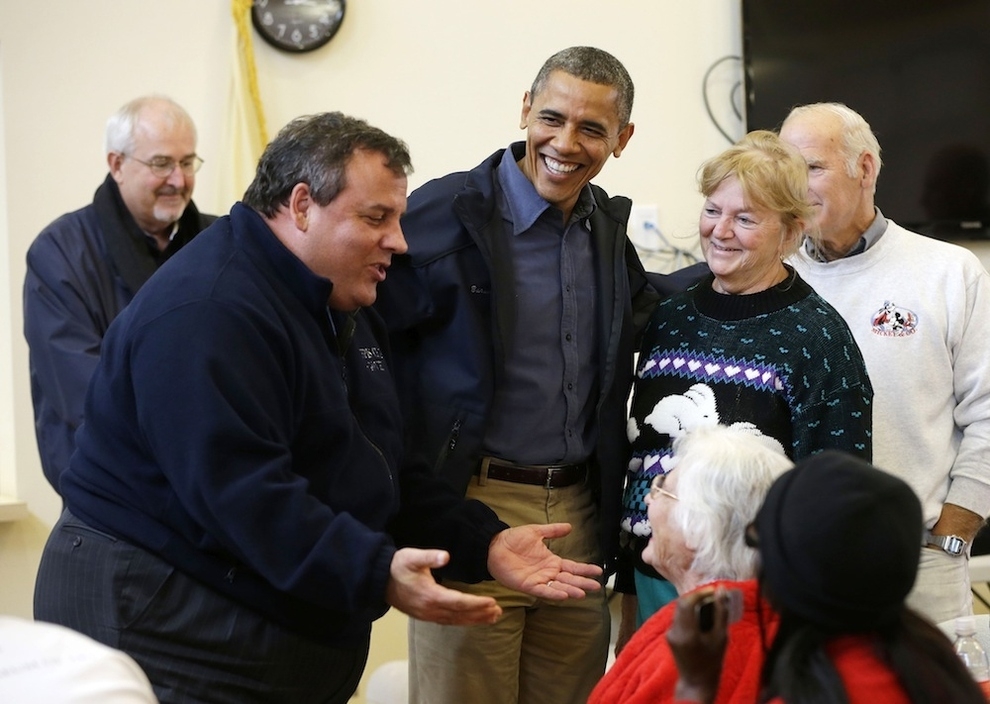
483 471
549 480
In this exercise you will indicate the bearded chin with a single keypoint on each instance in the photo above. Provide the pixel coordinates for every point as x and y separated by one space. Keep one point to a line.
167 215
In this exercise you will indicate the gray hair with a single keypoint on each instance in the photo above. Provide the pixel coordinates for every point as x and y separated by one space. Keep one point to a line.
315 149
122 125
724 474
595 66
856 134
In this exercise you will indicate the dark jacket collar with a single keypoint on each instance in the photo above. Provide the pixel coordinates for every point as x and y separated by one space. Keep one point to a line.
127 243
270 254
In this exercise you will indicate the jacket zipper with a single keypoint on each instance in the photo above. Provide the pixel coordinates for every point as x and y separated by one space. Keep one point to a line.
451 443
342 343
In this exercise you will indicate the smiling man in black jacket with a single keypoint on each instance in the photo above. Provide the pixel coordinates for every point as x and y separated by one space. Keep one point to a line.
514 318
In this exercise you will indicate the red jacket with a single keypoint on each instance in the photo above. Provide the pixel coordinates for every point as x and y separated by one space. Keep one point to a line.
867 679
645 671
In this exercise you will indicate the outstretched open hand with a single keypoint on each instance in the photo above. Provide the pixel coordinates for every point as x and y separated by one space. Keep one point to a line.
519 559
413 590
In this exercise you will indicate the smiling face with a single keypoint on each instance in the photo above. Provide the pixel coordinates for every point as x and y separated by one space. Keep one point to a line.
154 202
572 127
351 240
666 552
741 242
842 202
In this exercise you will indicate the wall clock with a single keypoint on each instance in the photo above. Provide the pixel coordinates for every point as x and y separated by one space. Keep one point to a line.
297 25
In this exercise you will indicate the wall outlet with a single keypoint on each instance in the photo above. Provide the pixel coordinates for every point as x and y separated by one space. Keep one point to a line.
643 229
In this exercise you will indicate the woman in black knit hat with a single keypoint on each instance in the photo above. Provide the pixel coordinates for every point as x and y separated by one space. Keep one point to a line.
839 542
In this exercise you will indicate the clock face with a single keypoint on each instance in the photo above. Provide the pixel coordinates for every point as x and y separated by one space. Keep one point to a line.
297 25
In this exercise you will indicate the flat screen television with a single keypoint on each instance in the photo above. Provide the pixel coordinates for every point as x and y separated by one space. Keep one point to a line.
917 70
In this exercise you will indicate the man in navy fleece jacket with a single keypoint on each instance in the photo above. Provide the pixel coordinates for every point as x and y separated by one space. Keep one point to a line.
237 508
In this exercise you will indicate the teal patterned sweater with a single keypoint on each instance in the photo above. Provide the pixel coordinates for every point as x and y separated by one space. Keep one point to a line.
783 362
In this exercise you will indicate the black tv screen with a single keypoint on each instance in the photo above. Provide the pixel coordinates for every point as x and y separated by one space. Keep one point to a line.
917 70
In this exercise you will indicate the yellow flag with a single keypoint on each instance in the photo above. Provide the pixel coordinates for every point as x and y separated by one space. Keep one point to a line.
245 133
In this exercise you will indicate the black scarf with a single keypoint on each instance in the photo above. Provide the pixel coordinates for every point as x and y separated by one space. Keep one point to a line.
126 242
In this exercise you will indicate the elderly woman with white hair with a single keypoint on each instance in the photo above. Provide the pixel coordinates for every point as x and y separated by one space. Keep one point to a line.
699 511
838 545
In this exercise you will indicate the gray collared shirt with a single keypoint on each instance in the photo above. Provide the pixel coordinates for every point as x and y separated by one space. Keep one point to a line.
544 406
869 238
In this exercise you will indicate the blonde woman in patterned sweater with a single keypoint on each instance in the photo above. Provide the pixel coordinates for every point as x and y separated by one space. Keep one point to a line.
751 345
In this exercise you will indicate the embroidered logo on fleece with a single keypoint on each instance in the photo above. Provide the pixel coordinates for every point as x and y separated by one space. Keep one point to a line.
373 358
892 321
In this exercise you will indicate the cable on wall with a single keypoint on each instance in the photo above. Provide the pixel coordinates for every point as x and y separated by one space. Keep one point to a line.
734 94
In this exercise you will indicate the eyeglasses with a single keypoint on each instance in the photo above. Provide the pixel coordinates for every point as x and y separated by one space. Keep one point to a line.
163 166
656 488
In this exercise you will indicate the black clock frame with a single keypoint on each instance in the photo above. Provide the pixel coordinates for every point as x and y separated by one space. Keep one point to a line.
302 19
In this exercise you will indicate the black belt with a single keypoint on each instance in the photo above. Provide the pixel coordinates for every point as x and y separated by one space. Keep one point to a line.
549 476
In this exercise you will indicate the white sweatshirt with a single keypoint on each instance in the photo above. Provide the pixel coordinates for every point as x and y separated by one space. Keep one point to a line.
43 662
919 309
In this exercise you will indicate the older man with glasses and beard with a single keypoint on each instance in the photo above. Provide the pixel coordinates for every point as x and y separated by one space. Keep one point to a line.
87 265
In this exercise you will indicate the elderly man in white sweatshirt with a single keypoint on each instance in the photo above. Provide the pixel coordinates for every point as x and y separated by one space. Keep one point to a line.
920 312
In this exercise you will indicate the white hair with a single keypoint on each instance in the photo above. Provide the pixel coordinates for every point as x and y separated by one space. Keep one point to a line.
724 474
856 133
122 125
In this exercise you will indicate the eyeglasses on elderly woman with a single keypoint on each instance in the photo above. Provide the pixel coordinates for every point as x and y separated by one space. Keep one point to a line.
656 488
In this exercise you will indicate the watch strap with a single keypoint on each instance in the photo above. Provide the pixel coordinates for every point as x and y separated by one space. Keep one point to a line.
950 544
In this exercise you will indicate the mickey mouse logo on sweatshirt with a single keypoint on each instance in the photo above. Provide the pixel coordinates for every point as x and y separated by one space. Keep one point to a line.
892 321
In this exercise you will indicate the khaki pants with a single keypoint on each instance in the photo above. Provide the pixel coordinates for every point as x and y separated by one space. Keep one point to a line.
539 652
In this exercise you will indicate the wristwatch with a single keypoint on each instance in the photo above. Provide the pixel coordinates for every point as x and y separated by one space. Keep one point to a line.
950 544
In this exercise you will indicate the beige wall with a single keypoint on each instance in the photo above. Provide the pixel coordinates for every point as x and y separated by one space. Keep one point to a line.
445 75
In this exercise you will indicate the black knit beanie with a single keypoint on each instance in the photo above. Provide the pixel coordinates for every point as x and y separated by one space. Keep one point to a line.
839 542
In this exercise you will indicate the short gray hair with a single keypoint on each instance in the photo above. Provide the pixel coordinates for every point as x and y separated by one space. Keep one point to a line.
595 66
724 473
856 133
122 125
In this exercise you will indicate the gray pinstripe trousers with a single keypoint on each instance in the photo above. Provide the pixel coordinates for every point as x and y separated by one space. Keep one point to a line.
195 644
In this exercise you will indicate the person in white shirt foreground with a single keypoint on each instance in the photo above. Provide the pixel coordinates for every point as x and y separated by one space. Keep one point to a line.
42 662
